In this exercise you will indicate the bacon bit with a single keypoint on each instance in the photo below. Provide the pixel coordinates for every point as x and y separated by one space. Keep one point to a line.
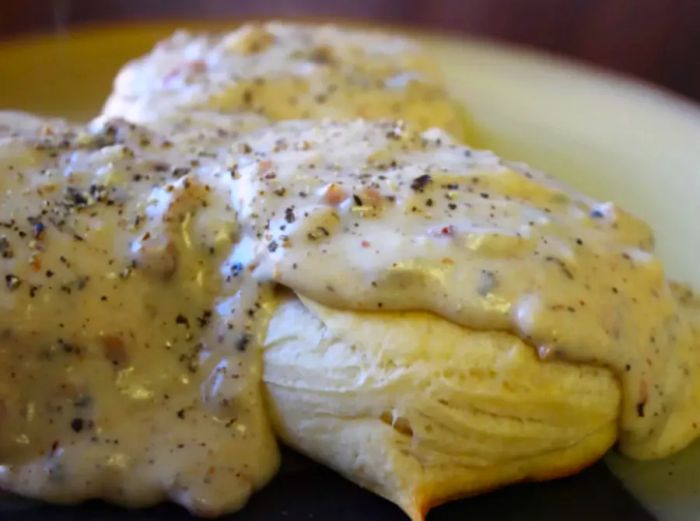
194 66
366 244
114 350
334 194
35 263
371 197
264 166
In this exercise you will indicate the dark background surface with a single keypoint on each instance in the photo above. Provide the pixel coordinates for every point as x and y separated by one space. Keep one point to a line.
657 40
304 491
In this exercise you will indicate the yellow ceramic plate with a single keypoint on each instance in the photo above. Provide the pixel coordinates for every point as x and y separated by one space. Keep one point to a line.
609 136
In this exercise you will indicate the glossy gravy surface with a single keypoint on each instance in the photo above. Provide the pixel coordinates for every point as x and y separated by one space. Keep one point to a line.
286 71
127 367
376 217
137 274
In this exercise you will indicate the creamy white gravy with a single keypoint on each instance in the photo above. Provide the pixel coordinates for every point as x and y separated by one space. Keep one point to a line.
286 71
376 217
137 274
127 360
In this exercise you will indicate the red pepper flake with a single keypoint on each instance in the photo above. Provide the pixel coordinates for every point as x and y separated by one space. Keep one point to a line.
445 231
365 244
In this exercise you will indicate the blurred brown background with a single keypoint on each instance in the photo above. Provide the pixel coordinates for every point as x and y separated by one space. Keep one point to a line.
658 40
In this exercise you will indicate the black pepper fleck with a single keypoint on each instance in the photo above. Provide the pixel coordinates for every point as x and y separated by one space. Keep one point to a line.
289 215
77 424
12 282
243 342
420 182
